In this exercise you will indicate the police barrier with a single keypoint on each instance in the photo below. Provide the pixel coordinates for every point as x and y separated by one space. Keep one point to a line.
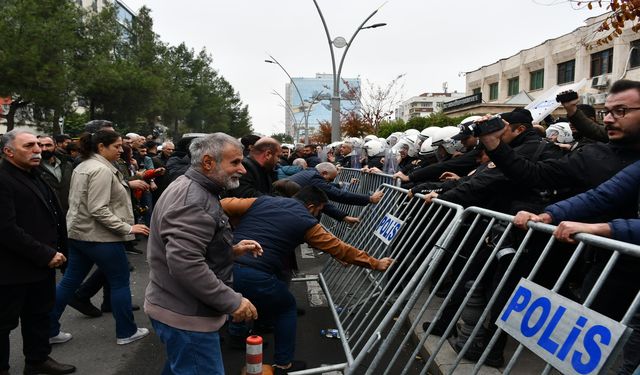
355 181
492 277
361 299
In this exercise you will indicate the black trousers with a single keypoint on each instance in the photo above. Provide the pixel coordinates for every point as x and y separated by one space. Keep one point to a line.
30 304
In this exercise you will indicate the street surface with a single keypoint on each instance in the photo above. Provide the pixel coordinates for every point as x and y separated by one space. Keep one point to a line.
93 349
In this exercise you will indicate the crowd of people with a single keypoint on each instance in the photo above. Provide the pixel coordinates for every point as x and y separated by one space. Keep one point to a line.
216 259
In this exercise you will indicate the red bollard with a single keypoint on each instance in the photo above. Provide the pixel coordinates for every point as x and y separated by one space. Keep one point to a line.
254 355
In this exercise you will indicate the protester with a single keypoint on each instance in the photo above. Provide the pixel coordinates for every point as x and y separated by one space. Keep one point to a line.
264 280
33 232
321 176
100 219
260 166
190 256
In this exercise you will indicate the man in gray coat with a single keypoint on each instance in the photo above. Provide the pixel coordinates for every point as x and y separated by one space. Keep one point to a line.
190 257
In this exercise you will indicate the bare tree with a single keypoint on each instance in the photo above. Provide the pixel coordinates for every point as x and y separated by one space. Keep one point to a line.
611 27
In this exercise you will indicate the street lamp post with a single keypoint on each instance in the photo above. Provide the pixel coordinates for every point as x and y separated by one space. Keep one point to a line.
340 42
296 126
305 113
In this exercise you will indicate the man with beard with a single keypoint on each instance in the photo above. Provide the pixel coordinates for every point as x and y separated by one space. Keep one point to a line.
260 167
190 259
34 235
55 171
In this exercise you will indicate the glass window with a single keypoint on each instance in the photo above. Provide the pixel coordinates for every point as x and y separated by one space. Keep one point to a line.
514 86
477 90
566 72
537 80
634 60
601 62
493 91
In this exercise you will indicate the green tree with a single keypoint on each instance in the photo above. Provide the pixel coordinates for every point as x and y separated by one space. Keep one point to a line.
282 137
39 39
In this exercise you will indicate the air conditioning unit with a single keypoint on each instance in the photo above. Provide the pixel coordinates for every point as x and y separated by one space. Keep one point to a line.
594 99
599 81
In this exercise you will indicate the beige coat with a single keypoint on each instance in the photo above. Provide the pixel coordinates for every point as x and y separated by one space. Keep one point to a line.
99 203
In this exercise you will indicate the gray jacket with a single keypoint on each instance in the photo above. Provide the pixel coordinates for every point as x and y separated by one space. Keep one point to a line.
190 257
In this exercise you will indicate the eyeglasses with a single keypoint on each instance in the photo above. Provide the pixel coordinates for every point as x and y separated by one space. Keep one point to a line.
617 113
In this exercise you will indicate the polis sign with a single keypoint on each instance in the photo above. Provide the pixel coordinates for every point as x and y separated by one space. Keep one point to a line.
567 335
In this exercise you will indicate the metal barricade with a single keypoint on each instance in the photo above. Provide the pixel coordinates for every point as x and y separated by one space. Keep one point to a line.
355 181
475 267
362 300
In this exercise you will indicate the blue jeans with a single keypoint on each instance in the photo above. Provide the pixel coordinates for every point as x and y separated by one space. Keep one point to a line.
112 261
188 352
275 305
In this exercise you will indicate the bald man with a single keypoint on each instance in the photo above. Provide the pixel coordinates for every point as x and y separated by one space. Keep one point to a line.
260 166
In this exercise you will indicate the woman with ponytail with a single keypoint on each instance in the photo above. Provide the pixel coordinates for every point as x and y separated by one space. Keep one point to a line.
99 221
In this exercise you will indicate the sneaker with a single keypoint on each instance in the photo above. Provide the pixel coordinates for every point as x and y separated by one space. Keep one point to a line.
295 366
85 307
140 333
60 338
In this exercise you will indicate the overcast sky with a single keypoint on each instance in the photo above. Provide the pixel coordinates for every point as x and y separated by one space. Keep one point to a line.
430 41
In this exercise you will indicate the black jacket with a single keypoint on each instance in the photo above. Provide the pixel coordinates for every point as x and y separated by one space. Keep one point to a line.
32 228
460 165
61 188
490 188
176 166
256 182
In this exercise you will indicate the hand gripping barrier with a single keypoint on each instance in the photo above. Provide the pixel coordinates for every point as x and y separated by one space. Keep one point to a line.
483 269
355 181
363 301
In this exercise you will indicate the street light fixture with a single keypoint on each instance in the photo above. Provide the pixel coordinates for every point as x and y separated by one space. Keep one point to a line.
340 42
296 126
305 113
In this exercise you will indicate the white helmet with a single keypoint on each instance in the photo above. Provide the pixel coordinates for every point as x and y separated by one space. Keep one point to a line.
408 142
469 119
443 138
373 147
288 145
426 148
428 132
563 131
369 138
356 142
334 145
411 132
393 138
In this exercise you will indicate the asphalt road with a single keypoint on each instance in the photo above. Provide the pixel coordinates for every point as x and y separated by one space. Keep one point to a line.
93 349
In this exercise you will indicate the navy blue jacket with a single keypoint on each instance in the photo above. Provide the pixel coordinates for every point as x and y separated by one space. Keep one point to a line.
279 225
610 198
311 177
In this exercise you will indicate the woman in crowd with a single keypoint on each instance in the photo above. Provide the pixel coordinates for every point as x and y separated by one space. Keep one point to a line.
99 221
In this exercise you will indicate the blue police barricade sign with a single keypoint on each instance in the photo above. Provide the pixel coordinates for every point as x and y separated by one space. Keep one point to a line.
567 335
388 227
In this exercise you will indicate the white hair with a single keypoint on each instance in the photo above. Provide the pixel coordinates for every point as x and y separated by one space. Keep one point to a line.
9 137
326 167
300 162
212 145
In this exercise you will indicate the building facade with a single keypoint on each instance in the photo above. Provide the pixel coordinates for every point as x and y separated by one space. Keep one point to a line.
561 61
312 98
424 105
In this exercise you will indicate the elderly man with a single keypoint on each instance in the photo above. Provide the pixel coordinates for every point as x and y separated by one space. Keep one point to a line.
33 232
190 259
260 166
322 176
